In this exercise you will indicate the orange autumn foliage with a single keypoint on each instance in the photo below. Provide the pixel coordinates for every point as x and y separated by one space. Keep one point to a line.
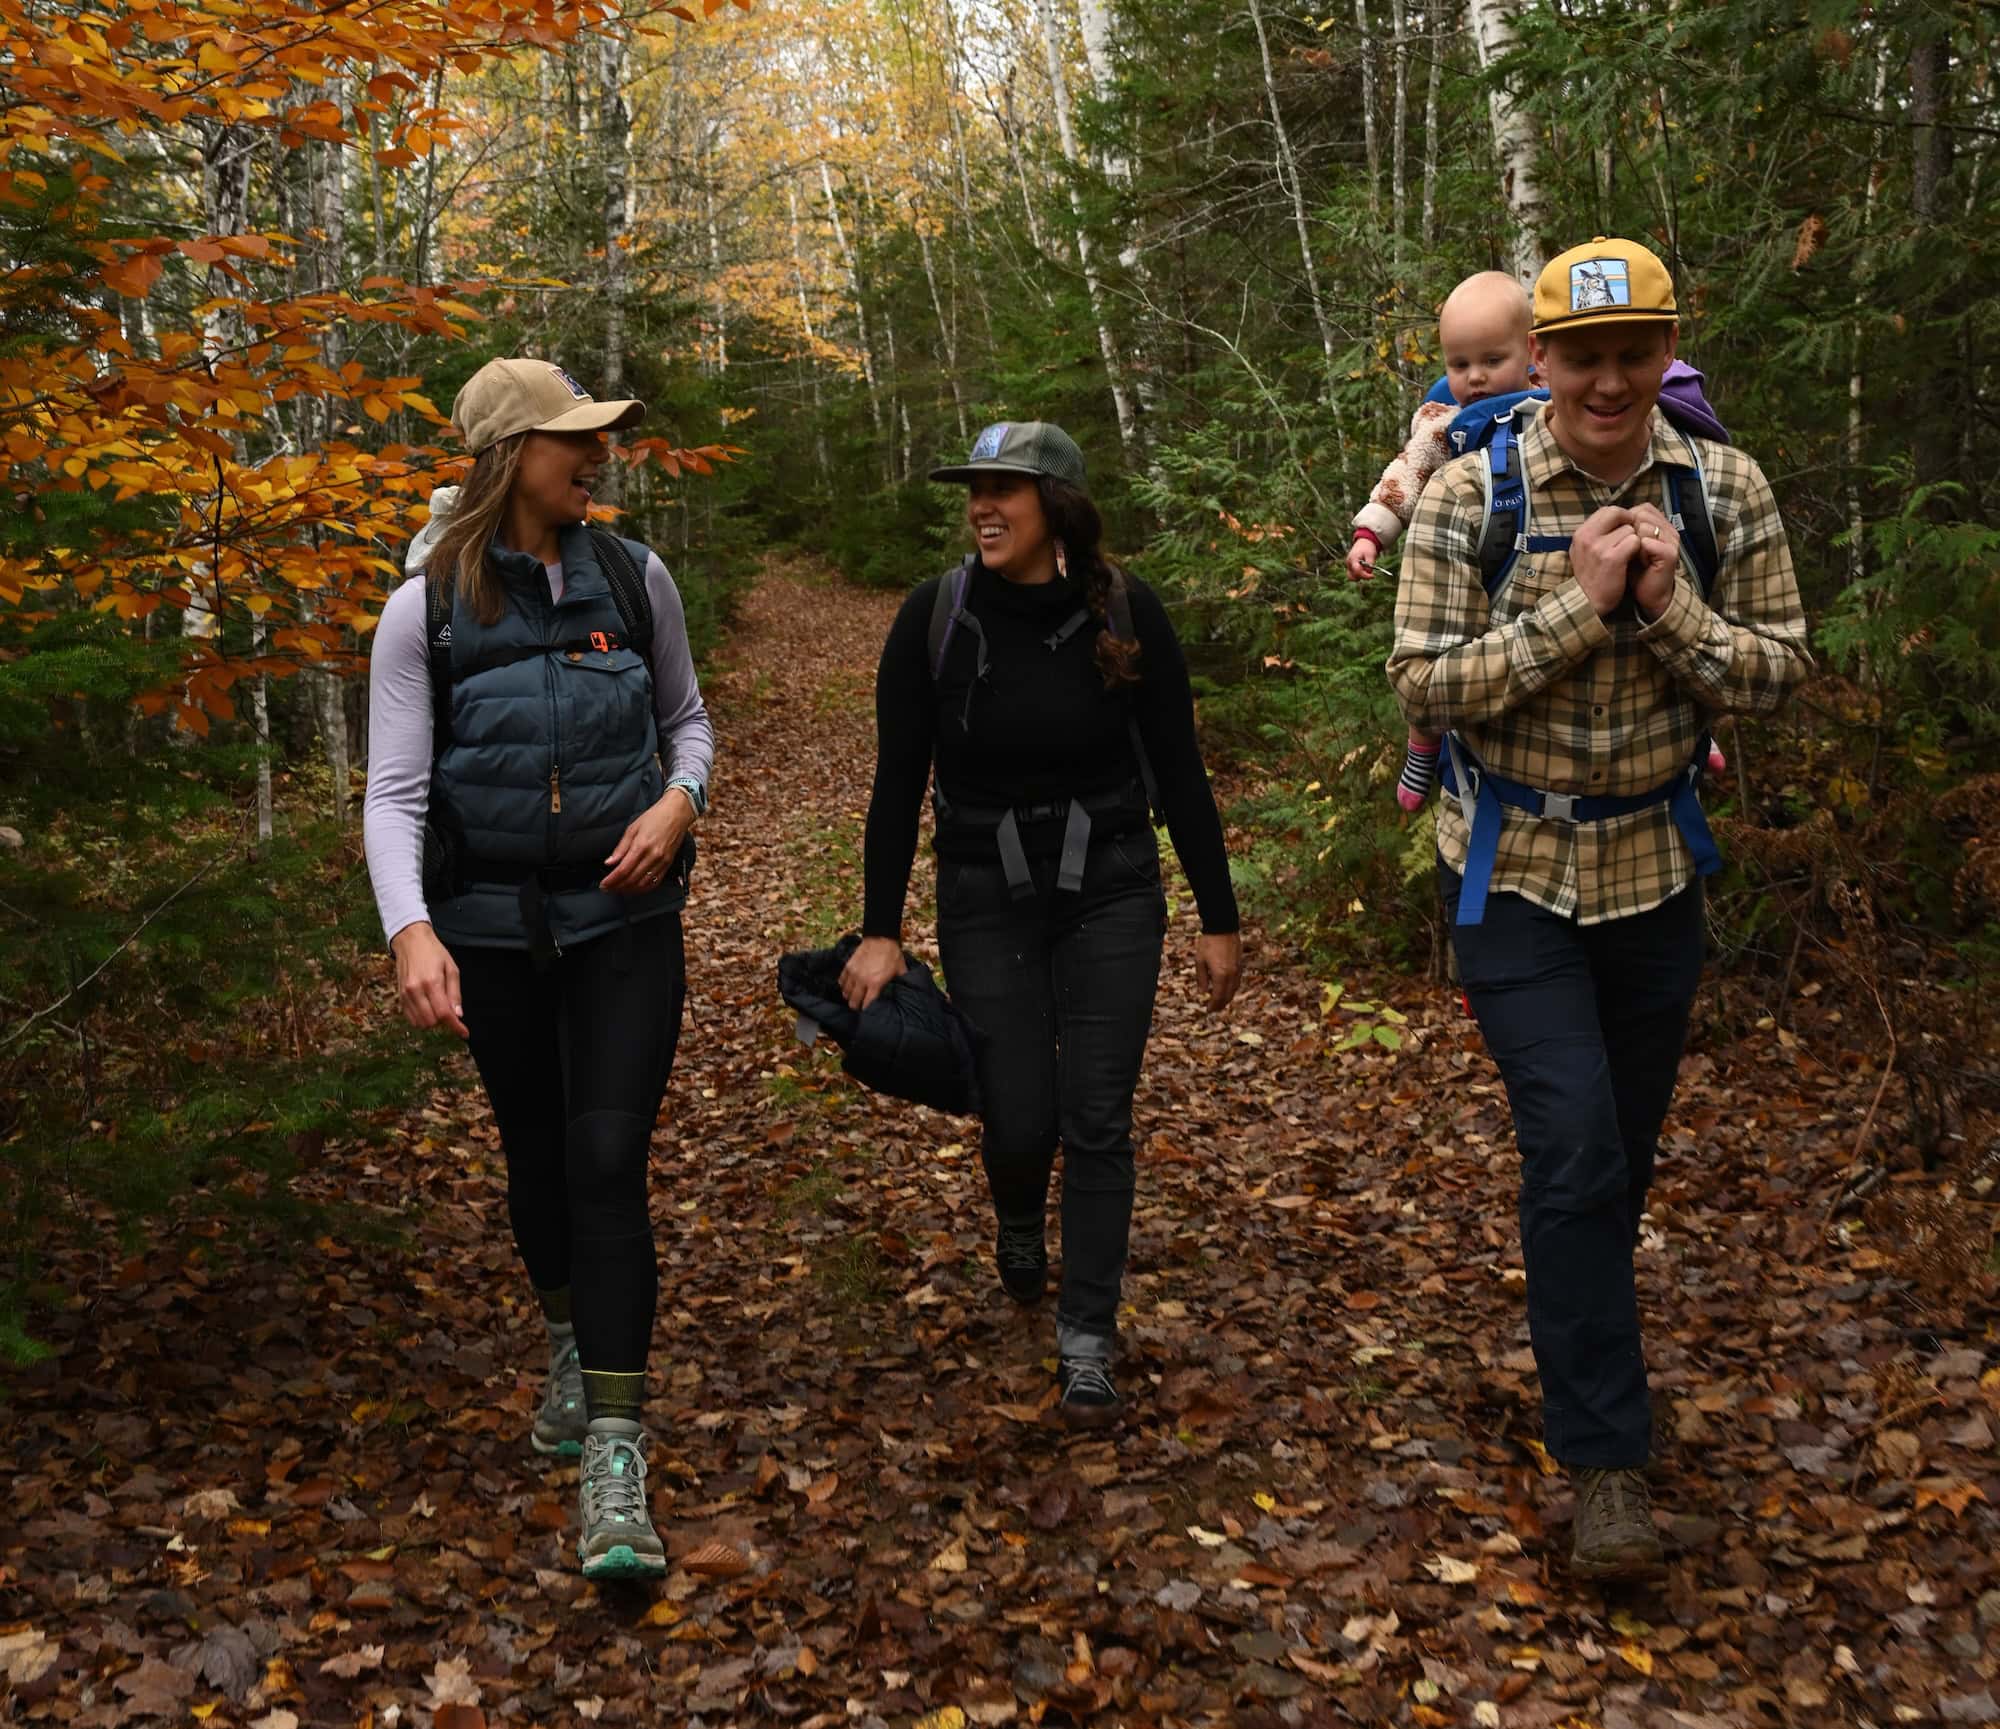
236 415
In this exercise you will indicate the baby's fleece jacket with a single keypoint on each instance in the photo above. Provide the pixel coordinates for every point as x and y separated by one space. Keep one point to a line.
1394 500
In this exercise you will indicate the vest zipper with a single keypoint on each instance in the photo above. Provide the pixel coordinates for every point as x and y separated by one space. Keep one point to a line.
555 789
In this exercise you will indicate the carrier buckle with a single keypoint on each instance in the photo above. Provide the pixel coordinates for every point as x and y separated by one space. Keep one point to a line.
1559 806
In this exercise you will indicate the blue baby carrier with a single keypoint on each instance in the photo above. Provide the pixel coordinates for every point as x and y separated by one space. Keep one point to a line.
1506 531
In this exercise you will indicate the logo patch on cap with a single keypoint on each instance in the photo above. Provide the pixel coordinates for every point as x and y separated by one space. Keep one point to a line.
1599 282
575 389
987 445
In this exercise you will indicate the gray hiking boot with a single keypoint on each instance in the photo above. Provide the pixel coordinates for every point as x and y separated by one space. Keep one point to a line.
618 1540
560 1422
1612 1535
1089 1400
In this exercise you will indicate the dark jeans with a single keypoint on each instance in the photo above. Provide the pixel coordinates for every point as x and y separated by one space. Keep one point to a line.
1062 985
575 1060
1586 1023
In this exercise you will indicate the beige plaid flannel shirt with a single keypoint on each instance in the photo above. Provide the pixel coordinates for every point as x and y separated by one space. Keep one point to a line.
1547 693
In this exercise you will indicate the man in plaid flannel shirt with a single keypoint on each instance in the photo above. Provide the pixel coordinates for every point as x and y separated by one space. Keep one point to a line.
1580 696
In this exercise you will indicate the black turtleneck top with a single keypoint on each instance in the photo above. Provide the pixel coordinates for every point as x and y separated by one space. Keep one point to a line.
1041 728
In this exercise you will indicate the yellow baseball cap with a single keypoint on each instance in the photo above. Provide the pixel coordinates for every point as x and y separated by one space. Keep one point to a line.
1604 282
508 396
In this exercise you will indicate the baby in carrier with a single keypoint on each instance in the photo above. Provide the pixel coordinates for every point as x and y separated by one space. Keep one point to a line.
1483 331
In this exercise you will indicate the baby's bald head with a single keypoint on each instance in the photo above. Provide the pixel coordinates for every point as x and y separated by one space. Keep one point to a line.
1483 329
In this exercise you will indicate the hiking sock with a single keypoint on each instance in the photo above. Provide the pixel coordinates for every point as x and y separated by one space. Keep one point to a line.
555 1306
613 1393
1420 767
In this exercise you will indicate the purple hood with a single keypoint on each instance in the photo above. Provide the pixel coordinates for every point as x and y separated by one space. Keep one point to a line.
1687 405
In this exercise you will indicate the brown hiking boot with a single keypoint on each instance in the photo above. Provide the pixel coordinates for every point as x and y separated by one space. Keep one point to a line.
1612 1532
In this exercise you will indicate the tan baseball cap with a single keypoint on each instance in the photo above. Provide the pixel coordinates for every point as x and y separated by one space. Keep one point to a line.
508 396
1604 282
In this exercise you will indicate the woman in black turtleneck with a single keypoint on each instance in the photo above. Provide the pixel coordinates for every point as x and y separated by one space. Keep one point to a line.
1033 677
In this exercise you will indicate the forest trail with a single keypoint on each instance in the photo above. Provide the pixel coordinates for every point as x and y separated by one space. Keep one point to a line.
288 1482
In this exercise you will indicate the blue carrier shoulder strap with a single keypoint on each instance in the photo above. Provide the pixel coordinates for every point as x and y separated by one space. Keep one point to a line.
1506 528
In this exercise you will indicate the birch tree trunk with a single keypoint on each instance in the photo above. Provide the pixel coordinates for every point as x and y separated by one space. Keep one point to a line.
225 184
860 305
1399 185
1099 21
329 272
899 409
1010 129
1514 141
1371 142
614 143
947 332
1437 14
1121 401
719 308
1288 177
820 452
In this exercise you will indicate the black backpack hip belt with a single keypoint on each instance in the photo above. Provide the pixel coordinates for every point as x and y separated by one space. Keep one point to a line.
1118 812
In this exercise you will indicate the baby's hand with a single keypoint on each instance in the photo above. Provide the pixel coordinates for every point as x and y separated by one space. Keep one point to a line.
1361 559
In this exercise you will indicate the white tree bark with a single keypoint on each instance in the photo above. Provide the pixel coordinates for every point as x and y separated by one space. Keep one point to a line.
1121 401
899 410
1012 132
330 271
614 144
1288 177
1399 156
854 294
719 307
1514 141
1099 25
1372 143
820 452
947 331
1438 14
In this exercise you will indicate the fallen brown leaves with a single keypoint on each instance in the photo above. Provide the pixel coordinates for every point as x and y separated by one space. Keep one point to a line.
278 1483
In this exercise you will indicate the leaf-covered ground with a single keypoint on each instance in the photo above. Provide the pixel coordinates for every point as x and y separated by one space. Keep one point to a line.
275 1481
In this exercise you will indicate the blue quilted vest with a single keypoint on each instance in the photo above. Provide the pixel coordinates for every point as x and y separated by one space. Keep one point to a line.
553 752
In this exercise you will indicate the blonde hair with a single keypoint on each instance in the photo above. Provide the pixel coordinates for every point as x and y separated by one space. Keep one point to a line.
459 558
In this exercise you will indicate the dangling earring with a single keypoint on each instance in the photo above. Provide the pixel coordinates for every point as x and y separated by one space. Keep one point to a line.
1062 562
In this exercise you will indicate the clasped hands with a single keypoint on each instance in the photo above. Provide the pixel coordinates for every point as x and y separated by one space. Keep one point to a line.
1621 551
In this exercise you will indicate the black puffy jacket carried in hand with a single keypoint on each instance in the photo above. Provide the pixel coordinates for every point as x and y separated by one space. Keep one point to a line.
910 1042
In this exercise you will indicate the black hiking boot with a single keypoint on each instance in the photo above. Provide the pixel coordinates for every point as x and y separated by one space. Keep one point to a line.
1083 1372
1612 1535
1024 1262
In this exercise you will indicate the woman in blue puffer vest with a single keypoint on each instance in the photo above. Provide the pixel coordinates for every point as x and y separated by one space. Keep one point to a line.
534 777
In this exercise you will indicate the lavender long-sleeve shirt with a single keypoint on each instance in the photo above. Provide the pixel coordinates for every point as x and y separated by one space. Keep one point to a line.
399 733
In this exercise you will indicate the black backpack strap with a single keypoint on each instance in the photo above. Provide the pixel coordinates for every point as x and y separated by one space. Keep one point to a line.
627 582
948 612
438 598
1688 507
1506 484
1118 614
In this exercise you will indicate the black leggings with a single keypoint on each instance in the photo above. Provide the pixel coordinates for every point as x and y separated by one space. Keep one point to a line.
575 1060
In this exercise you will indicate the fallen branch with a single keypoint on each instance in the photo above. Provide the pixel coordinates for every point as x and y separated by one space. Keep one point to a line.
85 982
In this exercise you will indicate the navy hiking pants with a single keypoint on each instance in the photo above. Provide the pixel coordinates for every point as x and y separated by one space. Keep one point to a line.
1586 1023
